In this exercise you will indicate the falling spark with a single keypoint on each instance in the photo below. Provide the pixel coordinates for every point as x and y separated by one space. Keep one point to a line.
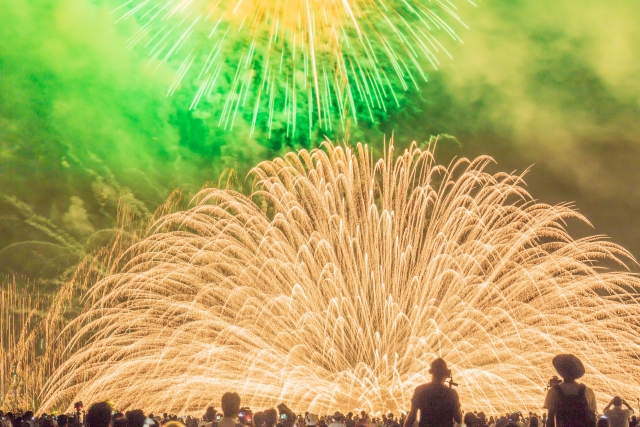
347 57
337 282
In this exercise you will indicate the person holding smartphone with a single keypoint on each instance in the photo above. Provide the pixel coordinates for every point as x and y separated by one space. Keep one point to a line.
287 417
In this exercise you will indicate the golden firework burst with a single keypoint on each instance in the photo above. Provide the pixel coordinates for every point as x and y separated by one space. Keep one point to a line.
340 278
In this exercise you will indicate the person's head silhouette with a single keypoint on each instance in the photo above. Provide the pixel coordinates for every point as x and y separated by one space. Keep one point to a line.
439 370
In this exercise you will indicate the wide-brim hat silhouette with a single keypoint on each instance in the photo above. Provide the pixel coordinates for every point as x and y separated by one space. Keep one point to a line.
568 366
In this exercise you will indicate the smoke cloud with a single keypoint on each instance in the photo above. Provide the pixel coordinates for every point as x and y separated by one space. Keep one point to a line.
85 123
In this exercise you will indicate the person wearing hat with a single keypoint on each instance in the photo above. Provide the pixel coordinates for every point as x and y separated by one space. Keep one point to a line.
438 405
311 420
570 403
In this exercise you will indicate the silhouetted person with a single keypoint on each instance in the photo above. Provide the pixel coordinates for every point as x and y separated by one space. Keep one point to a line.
516 419
569 403
364 420
482 419
63 421
98 415
337 420
136 418
119 420
230 408
439 405
289 418
210 415
270 417
470 419
311 420
258 419
618 416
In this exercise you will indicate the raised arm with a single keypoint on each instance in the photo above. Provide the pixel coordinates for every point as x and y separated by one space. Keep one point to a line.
606 408
624 402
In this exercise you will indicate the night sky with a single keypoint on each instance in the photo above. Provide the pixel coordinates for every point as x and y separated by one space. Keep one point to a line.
86 122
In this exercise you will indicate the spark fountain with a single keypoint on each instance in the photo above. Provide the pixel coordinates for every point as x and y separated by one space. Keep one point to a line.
339 279
21 308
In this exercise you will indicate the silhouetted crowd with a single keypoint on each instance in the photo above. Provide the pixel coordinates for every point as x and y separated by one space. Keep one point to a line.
435 404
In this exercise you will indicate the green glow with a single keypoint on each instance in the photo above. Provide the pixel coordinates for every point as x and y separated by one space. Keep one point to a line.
85 121
243 58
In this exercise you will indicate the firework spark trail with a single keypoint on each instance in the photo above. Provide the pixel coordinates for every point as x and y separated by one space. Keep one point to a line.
340 279
343 55
20 311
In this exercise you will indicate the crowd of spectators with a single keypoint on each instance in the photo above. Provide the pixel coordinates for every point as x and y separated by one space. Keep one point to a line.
435 404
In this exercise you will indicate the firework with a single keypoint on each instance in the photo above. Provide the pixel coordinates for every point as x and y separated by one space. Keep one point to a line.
338 281
292 64
20 374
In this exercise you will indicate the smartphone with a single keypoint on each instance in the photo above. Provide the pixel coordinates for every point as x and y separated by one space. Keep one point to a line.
283 416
